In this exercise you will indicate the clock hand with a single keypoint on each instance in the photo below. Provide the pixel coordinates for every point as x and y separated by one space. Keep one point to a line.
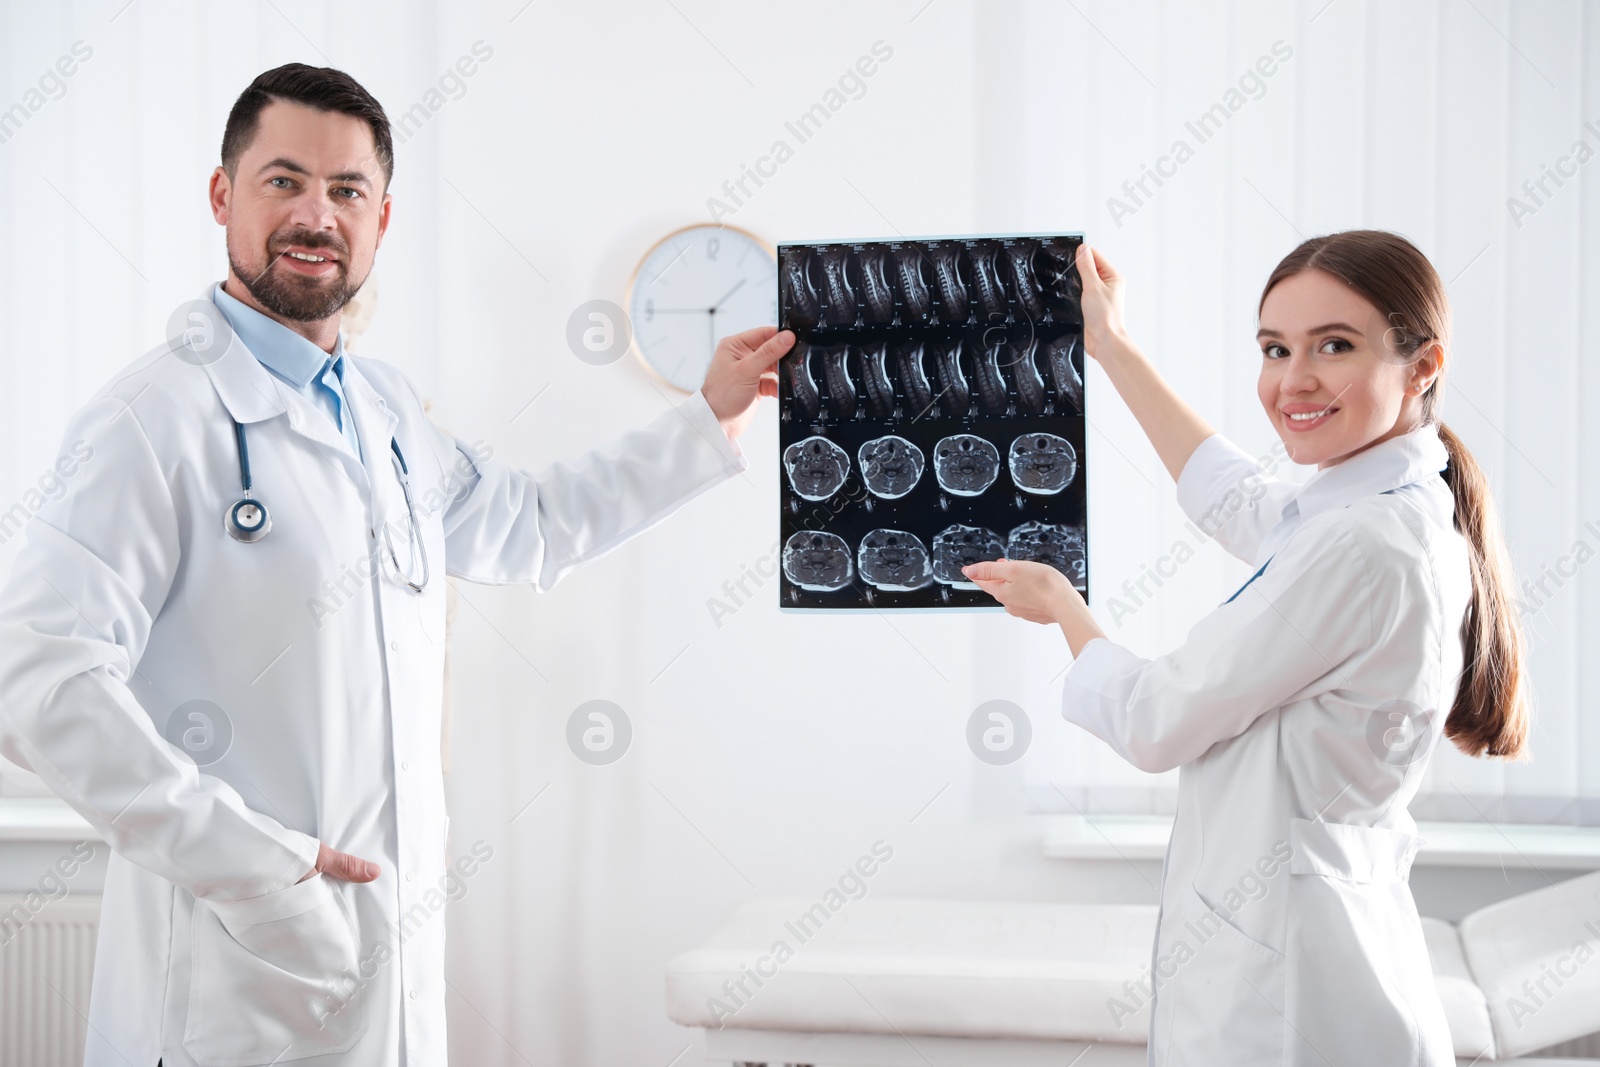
729 293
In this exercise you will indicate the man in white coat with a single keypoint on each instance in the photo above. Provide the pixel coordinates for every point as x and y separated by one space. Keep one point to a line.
253 723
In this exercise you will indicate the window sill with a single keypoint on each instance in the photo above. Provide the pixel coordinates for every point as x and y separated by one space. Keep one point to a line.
1096 837
1448 844
42 819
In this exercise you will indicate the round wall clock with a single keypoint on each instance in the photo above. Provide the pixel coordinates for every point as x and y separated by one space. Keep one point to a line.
696 286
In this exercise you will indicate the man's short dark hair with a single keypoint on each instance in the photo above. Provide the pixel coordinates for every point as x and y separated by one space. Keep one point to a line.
323 88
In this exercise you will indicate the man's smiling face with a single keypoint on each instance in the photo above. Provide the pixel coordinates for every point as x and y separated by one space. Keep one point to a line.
306 208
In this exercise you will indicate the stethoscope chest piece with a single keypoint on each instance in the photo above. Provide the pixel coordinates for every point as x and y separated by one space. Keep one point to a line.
247 520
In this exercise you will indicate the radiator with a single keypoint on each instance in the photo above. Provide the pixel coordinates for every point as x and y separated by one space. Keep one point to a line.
46 959
1587 1047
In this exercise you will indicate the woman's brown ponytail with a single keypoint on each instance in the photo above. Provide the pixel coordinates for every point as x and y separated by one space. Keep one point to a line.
1491 714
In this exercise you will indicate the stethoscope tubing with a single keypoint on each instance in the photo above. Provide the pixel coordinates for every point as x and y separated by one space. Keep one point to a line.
248 521
413 531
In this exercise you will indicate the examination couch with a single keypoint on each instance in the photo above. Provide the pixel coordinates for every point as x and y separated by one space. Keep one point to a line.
905 983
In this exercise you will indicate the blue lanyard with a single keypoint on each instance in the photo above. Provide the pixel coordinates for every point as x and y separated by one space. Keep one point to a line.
1246 585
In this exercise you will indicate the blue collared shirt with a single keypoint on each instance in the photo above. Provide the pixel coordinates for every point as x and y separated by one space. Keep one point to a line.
316 375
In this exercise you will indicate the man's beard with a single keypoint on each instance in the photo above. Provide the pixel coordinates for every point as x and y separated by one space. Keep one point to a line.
295 297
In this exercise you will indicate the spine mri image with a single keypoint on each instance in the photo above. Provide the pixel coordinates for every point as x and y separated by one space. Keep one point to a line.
931 416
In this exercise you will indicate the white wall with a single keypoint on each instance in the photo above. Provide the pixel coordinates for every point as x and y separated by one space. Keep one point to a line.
596 128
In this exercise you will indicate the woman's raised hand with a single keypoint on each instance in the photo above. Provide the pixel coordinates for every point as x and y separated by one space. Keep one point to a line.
1102 303
1174 428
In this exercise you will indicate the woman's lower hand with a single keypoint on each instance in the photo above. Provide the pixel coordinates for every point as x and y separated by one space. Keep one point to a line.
1029 590
1037 593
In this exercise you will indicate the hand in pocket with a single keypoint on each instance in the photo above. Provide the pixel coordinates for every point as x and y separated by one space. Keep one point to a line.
342 865
274 978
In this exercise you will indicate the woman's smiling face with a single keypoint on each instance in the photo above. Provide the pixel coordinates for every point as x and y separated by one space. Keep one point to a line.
1324 358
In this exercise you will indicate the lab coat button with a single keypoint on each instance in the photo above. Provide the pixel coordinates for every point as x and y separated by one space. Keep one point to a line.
394 646
413 994
405 765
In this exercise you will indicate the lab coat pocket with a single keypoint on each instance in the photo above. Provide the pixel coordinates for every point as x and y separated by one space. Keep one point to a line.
1360 987
271 978
1226 989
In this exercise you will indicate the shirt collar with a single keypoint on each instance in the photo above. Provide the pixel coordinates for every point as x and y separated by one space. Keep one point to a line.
1400 460
281 350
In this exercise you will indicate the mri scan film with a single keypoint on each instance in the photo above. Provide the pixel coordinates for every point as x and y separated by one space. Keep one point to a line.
932 416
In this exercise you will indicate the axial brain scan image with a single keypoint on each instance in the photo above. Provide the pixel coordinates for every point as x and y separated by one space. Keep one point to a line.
931 415
966 464
891 466
1060 547
956 547
894 560
817 561
1043 463
817 467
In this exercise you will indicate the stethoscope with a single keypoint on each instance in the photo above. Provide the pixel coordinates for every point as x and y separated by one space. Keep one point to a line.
248 521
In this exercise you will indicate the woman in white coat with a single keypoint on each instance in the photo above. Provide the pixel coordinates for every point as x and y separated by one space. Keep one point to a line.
1303 710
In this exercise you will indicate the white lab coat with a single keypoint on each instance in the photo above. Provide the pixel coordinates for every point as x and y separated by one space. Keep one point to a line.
1287 931
129 601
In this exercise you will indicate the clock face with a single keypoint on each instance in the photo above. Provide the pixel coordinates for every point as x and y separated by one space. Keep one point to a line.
694 288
